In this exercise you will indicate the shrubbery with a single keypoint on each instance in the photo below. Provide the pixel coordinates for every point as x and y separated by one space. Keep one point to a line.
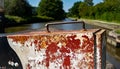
107 10
17 19
51 8
117 31
20 11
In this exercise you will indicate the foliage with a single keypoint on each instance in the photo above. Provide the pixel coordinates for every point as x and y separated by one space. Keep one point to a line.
51 8
107 10
34 11
74 10
40 19
83 10
117 31
89 2
17 19
18 8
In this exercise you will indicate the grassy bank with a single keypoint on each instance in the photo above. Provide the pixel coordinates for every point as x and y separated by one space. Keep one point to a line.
15 20
117 31
101 23
100 20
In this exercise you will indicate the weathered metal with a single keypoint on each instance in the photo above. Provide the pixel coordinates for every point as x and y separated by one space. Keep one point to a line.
77 49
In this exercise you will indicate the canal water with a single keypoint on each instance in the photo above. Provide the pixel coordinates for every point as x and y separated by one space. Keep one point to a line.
112 53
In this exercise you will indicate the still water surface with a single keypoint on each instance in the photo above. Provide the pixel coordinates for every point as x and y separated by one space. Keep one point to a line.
112 54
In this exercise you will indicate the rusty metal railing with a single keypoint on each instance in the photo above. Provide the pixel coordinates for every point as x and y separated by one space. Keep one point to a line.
58 23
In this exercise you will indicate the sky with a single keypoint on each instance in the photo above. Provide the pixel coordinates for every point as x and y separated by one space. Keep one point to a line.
67 4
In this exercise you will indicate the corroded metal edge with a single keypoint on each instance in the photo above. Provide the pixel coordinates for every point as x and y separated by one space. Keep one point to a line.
100 49
95 45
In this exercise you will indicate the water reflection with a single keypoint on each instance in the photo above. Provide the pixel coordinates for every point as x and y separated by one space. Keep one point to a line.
16 29
42 25
37 25
25 27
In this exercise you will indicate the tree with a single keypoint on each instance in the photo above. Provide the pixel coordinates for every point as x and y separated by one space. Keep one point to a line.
74 11
18 8
89 2
107 10
83 10
51 8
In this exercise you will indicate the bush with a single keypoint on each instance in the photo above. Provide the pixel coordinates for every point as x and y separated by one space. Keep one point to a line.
45 17
104 16
33 19
15 19
117 31
117 17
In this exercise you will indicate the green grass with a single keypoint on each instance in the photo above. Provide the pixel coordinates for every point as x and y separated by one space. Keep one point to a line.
15 18
118 31
31 19
44 17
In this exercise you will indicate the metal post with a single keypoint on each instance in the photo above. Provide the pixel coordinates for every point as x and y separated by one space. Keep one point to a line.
2 27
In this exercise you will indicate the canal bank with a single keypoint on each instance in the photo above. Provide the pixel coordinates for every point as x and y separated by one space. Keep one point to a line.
103 24
112 37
